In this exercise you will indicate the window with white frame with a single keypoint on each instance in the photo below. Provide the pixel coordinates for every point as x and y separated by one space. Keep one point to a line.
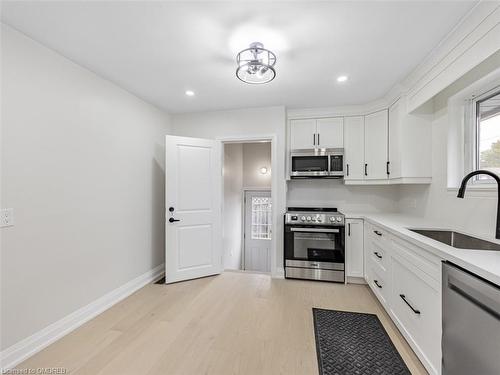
486 134
261 218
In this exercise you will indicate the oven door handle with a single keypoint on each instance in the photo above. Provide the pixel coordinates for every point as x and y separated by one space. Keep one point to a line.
316 230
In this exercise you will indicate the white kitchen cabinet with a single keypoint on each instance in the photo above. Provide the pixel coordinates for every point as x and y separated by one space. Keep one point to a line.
354 147
330 132
317 133
394 144
389 146
410 148
376 145
415 302
302 134
354 248
407 282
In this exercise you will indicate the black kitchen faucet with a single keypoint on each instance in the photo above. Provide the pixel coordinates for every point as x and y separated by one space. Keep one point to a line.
461 193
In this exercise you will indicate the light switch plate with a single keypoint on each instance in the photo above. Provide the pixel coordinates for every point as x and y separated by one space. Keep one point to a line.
6 217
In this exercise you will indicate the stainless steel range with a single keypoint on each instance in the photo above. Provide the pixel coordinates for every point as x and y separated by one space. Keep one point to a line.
314 244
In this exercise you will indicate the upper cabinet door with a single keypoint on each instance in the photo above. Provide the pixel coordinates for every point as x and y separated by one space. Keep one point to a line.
303 134
395 141
376 145
330 132
354 147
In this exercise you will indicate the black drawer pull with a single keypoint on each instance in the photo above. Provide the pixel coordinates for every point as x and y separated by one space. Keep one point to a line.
377 284
377 232
403 297
377 255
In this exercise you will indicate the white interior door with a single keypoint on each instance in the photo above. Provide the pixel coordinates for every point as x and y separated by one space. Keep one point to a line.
258 225
193 208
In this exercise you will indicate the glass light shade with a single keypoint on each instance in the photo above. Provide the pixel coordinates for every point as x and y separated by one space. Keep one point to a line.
256 64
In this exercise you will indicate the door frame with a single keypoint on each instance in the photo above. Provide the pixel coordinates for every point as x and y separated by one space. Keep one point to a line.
274 184
243 221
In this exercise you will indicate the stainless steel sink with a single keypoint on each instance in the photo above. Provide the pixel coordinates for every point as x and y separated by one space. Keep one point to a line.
457 239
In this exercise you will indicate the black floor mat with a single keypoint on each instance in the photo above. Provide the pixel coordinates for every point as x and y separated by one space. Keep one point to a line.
349 343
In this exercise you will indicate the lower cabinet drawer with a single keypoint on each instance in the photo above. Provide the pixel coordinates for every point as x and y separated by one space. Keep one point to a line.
378 283
416 304
377 254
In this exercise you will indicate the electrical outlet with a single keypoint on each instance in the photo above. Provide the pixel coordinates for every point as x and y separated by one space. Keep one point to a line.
6 217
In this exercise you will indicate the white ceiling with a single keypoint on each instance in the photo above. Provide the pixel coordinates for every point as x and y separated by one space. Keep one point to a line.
158 50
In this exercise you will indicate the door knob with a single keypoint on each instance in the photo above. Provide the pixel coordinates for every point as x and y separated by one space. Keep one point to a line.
172 220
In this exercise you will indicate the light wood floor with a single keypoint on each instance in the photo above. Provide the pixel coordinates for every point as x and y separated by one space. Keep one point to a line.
235 323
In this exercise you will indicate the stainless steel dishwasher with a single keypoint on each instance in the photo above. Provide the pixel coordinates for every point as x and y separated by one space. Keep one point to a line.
471 323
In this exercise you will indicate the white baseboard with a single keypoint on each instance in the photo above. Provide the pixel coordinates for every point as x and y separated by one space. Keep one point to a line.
355 280
25 348
279 273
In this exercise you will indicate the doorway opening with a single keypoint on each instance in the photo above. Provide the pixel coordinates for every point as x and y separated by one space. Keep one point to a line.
248 212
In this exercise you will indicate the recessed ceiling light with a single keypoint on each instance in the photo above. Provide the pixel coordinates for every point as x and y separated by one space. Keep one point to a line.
341 78
189 92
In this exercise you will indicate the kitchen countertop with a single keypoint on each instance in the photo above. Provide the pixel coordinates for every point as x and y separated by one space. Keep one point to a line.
485 263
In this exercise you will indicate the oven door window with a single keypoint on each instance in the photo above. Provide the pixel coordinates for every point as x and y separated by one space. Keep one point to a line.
309 163
317 246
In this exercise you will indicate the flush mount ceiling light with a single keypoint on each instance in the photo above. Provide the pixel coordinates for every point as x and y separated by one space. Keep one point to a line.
189 93
256 64
341 78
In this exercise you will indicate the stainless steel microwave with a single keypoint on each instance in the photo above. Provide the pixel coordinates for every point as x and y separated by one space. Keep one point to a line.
317 163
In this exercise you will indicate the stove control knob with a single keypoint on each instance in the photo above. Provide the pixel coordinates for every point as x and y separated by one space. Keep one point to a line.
303 218
318 219
308 218
339 219
332 218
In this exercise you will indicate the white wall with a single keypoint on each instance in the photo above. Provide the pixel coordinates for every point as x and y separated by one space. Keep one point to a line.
347 198
233 205
477 212
254 122
256 156
82 167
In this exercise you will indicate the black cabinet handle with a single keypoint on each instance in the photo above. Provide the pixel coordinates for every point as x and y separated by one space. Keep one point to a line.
377 232
314 139
318 140
366 169
172 220
403 297
377 255
377 284
387 168
347 166
349 229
